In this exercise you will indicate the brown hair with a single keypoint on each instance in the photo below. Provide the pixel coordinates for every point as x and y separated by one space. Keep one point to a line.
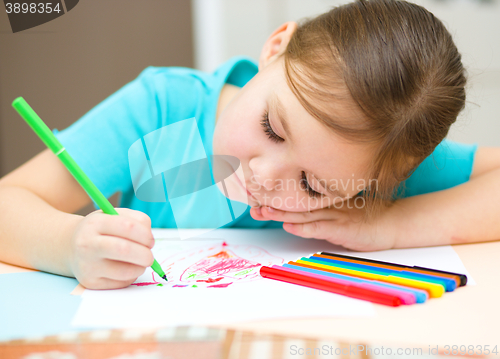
398 65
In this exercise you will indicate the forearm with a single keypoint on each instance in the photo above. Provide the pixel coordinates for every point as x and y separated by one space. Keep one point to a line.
34 234
466 213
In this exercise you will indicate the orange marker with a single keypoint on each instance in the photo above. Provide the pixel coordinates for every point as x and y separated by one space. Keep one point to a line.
460 279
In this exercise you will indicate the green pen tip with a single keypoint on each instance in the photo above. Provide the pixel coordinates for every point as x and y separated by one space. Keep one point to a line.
165 277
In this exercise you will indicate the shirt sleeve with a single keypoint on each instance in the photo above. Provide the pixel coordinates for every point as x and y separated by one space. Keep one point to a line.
99 141
449 165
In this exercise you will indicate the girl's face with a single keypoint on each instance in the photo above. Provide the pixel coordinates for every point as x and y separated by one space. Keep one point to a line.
289 160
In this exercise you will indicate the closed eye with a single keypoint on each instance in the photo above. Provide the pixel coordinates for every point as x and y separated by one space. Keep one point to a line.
306 187
268 130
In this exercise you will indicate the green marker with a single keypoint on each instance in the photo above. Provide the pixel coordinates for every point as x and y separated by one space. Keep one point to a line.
46 135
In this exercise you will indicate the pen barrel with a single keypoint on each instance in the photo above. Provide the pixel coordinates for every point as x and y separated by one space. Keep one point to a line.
86 183
157 268
51 141
37 125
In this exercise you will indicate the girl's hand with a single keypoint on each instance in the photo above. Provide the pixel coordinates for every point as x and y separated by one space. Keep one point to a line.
342 226
110 251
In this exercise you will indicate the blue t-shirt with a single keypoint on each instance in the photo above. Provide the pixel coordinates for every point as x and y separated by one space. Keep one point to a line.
160 96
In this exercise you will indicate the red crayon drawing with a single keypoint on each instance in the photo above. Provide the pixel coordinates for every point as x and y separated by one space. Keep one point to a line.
219 285
140 284
210 280
214 265
224 264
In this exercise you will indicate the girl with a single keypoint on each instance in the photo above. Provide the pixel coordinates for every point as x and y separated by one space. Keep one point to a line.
340 133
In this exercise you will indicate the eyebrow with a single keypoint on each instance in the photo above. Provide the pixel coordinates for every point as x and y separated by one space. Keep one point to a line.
281 112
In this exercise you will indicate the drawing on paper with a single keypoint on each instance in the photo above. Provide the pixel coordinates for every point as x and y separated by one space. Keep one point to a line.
214 265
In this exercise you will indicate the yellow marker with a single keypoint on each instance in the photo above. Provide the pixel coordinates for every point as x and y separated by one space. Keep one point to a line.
434 290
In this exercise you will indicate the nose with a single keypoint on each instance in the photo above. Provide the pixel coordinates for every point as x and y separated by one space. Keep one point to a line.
264 174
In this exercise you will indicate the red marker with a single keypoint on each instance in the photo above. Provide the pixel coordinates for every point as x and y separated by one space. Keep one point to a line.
353 290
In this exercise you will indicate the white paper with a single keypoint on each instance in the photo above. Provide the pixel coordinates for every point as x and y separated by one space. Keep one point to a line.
213 279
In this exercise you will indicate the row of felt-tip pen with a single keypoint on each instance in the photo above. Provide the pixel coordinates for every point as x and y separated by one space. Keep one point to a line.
375 281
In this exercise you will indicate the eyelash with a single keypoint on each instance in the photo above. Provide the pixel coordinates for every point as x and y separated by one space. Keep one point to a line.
268 130
305 186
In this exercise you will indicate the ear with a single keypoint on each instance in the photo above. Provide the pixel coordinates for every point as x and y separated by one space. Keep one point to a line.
276 43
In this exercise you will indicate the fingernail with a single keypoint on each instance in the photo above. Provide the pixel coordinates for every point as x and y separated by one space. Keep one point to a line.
258 211
270 209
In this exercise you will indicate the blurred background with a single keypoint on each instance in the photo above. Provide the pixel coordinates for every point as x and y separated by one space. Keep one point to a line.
67 66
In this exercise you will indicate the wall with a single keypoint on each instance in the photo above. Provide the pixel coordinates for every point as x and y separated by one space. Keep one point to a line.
67 66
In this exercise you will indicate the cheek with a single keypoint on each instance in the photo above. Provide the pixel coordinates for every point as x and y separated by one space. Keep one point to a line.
218 142
223 140
236 137
230 143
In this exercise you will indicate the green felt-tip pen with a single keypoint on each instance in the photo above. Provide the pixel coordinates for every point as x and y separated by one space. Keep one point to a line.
46 135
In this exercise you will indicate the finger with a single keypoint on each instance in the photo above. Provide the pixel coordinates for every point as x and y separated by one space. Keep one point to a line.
106 283
137 215
316 229
120 271
326 230
124 226
274 214
256 214
123 250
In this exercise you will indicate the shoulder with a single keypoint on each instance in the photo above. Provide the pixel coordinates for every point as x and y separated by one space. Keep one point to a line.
450 155
175 78
237 71
449 165
177 93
